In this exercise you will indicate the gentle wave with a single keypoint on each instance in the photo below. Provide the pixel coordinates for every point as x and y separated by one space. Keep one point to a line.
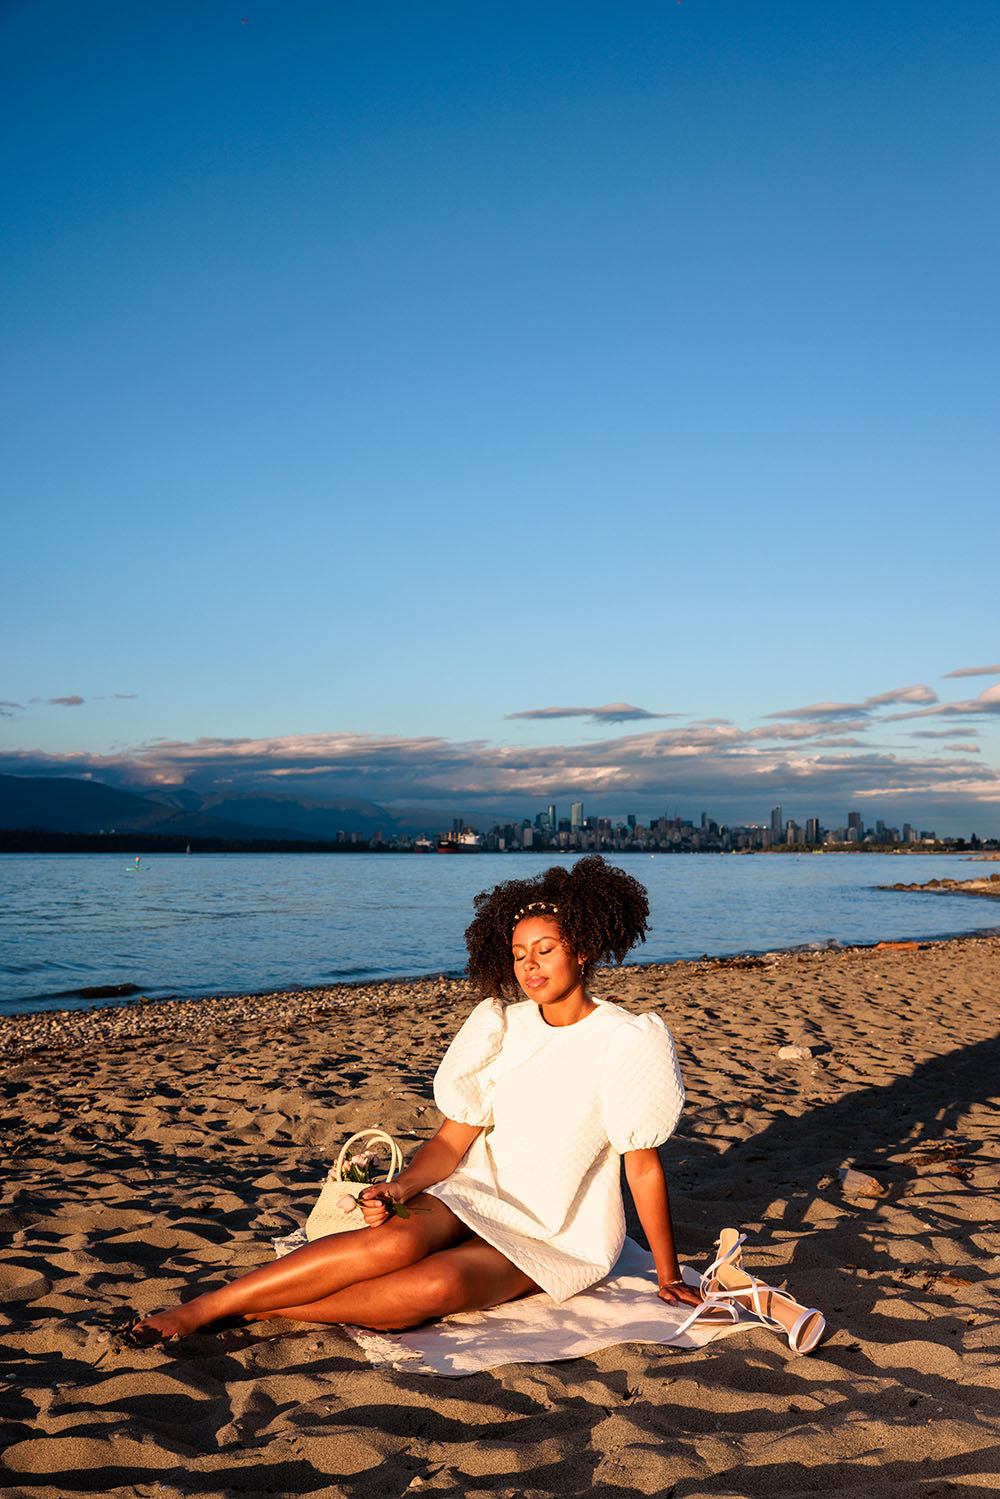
228 924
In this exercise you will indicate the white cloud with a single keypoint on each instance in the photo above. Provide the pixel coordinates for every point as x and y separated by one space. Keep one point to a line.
941 733
807 730
975 671
820 710
608 713
965 787
987 702
811 758
837 741
704 763
915 694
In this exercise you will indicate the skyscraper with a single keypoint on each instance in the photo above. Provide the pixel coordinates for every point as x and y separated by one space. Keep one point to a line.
576 816
553 819
777 823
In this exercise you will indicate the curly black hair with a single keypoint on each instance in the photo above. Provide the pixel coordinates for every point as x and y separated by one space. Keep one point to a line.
601 913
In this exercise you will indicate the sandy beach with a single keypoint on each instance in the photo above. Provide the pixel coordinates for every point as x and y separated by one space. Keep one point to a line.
150 1150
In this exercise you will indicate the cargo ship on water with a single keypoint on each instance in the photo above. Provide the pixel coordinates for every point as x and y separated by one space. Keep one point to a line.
460 841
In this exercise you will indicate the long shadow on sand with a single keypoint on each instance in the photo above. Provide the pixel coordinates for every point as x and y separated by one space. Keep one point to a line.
843 1259
866 1127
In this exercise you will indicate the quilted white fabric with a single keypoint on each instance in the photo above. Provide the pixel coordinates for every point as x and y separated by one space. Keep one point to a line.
621 1309
559 1105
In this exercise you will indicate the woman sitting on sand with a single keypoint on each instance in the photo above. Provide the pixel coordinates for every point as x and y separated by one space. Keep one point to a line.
519 1189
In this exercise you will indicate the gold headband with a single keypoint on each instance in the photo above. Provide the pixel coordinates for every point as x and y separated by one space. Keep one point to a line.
535 905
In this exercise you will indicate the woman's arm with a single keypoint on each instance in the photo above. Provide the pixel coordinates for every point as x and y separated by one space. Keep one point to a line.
432 1163
644 1173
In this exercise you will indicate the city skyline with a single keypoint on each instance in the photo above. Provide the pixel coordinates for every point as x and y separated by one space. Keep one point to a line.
579 833
95 818
481 406
824 755
776 831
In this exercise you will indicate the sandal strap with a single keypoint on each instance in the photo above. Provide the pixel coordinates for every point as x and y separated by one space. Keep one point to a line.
799 1324
717 1296
709 1303
717 1264
754 1289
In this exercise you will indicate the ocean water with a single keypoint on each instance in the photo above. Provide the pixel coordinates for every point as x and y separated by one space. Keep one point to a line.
241 923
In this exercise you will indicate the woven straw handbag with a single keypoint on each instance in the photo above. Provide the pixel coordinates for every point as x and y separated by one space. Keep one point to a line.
328 1217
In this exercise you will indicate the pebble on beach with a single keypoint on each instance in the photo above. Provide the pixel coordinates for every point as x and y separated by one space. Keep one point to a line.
859 1183
794 1053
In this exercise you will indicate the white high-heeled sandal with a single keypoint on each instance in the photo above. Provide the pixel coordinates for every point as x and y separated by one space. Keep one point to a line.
727 1283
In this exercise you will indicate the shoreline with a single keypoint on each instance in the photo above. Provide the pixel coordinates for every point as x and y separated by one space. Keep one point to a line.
986 885
105 957
32 1032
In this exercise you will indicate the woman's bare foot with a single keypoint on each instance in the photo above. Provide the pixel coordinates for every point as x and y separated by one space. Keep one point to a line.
171 1324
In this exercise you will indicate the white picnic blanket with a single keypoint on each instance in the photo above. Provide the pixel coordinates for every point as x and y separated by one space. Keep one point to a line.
623 1308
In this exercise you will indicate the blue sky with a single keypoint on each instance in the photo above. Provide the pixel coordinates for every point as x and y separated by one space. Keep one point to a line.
373 374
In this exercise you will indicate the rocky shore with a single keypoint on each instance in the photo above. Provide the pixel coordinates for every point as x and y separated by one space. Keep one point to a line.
988 885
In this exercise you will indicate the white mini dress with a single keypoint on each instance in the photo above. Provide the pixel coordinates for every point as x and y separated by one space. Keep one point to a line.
558 1106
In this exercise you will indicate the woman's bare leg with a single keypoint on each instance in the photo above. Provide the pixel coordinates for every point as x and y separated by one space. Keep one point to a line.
466 1278
319 1269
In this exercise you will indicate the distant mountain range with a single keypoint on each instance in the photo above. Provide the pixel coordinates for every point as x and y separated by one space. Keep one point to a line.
60 804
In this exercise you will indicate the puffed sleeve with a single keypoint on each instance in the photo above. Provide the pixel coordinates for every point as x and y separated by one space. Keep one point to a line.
463 1084
641 1089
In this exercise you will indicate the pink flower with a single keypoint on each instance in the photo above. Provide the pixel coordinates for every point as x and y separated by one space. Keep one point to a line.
347 1203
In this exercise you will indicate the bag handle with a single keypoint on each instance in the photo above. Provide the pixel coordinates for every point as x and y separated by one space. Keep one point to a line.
373 1136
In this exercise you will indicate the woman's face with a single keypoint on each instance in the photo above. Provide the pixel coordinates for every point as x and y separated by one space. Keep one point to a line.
544 967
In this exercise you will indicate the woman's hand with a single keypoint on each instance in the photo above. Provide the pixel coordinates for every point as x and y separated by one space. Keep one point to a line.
372 1202
678 1293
